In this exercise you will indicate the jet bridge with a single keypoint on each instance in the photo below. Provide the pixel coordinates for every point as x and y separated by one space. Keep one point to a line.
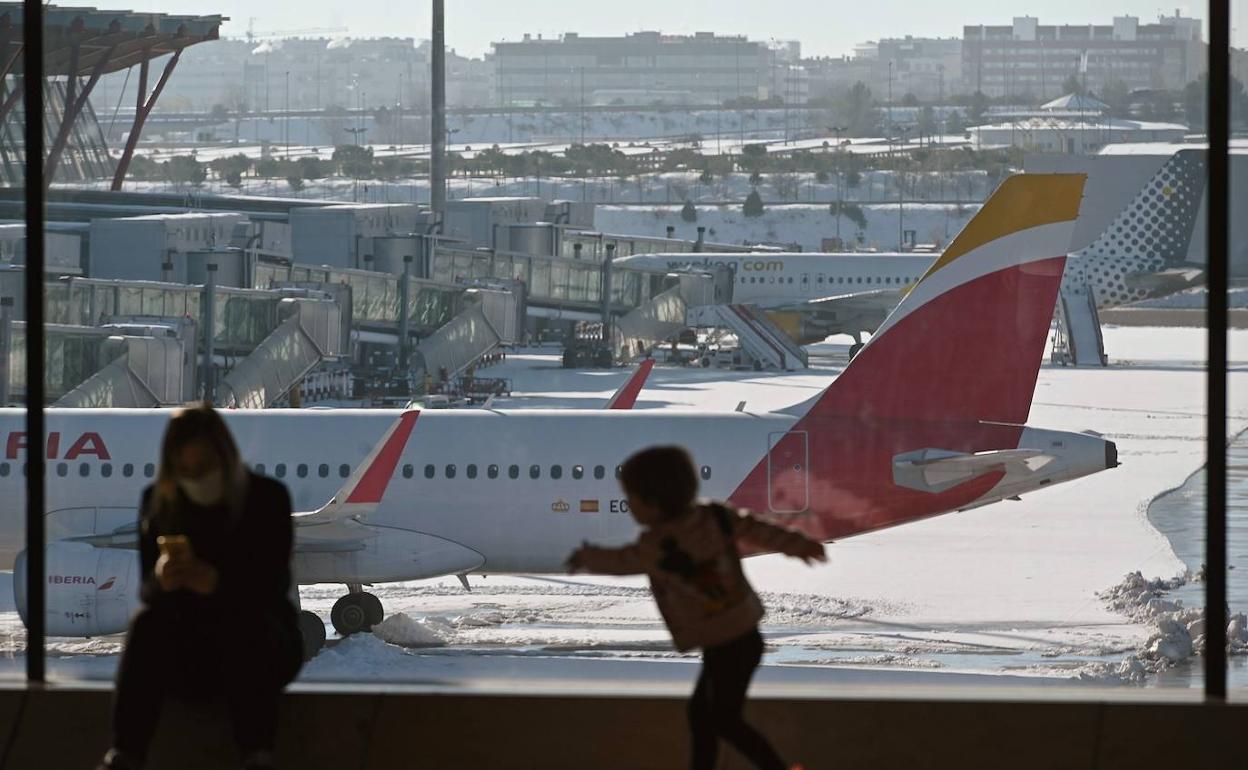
141 372
309 334
487 318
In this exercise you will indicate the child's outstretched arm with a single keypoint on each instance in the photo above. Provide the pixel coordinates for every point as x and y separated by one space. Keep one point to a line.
783 540
607 561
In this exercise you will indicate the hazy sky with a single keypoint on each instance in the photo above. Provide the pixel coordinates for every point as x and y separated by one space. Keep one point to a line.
825 27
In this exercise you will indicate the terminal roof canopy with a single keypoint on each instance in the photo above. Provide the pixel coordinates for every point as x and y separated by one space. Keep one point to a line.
120 39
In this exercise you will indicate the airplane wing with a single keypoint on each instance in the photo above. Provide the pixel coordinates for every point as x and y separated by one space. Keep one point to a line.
935 470
626 396
856 302
362 492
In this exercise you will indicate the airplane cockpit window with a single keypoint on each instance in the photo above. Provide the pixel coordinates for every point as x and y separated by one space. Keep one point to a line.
471 471
62 469
450 471
578 471
556 471
127 470
430 471
513 472
599 472
535 471
322 470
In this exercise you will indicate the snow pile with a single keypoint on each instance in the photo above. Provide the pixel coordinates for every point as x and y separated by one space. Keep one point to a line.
1141 599
404 630
1178 632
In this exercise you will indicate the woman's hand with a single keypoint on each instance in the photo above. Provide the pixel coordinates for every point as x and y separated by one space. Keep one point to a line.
201 577
193 574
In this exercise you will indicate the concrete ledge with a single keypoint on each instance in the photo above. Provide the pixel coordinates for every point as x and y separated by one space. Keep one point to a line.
401 728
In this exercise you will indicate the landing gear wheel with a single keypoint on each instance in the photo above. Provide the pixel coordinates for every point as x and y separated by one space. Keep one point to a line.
373 608
312 632
853 350
354 613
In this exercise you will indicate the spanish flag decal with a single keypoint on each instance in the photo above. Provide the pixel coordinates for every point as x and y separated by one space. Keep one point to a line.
589 506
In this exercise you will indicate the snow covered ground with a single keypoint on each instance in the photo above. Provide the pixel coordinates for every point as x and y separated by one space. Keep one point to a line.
1004 594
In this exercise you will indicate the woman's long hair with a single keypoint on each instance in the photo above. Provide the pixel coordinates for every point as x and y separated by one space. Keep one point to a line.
202 424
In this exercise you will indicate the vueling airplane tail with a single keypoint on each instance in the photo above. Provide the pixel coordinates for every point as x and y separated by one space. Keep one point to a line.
967 341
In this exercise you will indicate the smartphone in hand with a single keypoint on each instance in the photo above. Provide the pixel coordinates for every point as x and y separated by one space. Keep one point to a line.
174 547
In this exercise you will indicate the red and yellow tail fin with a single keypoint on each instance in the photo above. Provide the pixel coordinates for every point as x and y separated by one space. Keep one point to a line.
967 341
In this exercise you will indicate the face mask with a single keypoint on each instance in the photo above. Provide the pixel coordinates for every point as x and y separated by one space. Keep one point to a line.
206 490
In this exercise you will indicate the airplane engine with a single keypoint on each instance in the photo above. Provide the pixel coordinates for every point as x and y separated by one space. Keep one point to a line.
90 591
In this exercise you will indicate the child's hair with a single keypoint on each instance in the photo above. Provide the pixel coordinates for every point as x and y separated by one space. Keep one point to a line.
662 475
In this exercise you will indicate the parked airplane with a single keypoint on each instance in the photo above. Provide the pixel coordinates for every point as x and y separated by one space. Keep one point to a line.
929 418
1141 254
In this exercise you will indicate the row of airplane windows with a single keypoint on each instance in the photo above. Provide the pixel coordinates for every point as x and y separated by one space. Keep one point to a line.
555 472
302 470
820 279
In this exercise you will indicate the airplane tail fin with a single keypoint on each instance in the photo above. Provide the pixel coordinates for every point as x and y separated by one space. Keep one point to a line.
966 342
626 396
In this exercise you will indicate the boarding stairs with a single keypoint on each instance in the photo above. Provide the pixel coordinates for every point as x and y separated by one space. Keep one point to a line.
1078 340
767 344
488 318
310 333
141 372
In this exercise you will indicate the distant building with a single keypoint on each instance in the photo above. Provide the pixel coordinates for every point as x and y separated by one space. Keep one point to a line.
929 68
1033 61
645 68
307 74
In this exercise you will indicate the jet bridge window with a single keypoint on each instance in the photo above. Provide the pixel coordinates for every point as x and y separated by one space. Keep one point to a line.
106 470
556 471
578 471
430 471
127 470
492 471
535 471
301 470
322 470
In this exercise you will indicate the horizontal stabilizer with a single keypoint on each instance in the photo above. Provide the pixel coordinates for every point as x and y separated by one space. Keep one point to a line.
936 470
363 491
